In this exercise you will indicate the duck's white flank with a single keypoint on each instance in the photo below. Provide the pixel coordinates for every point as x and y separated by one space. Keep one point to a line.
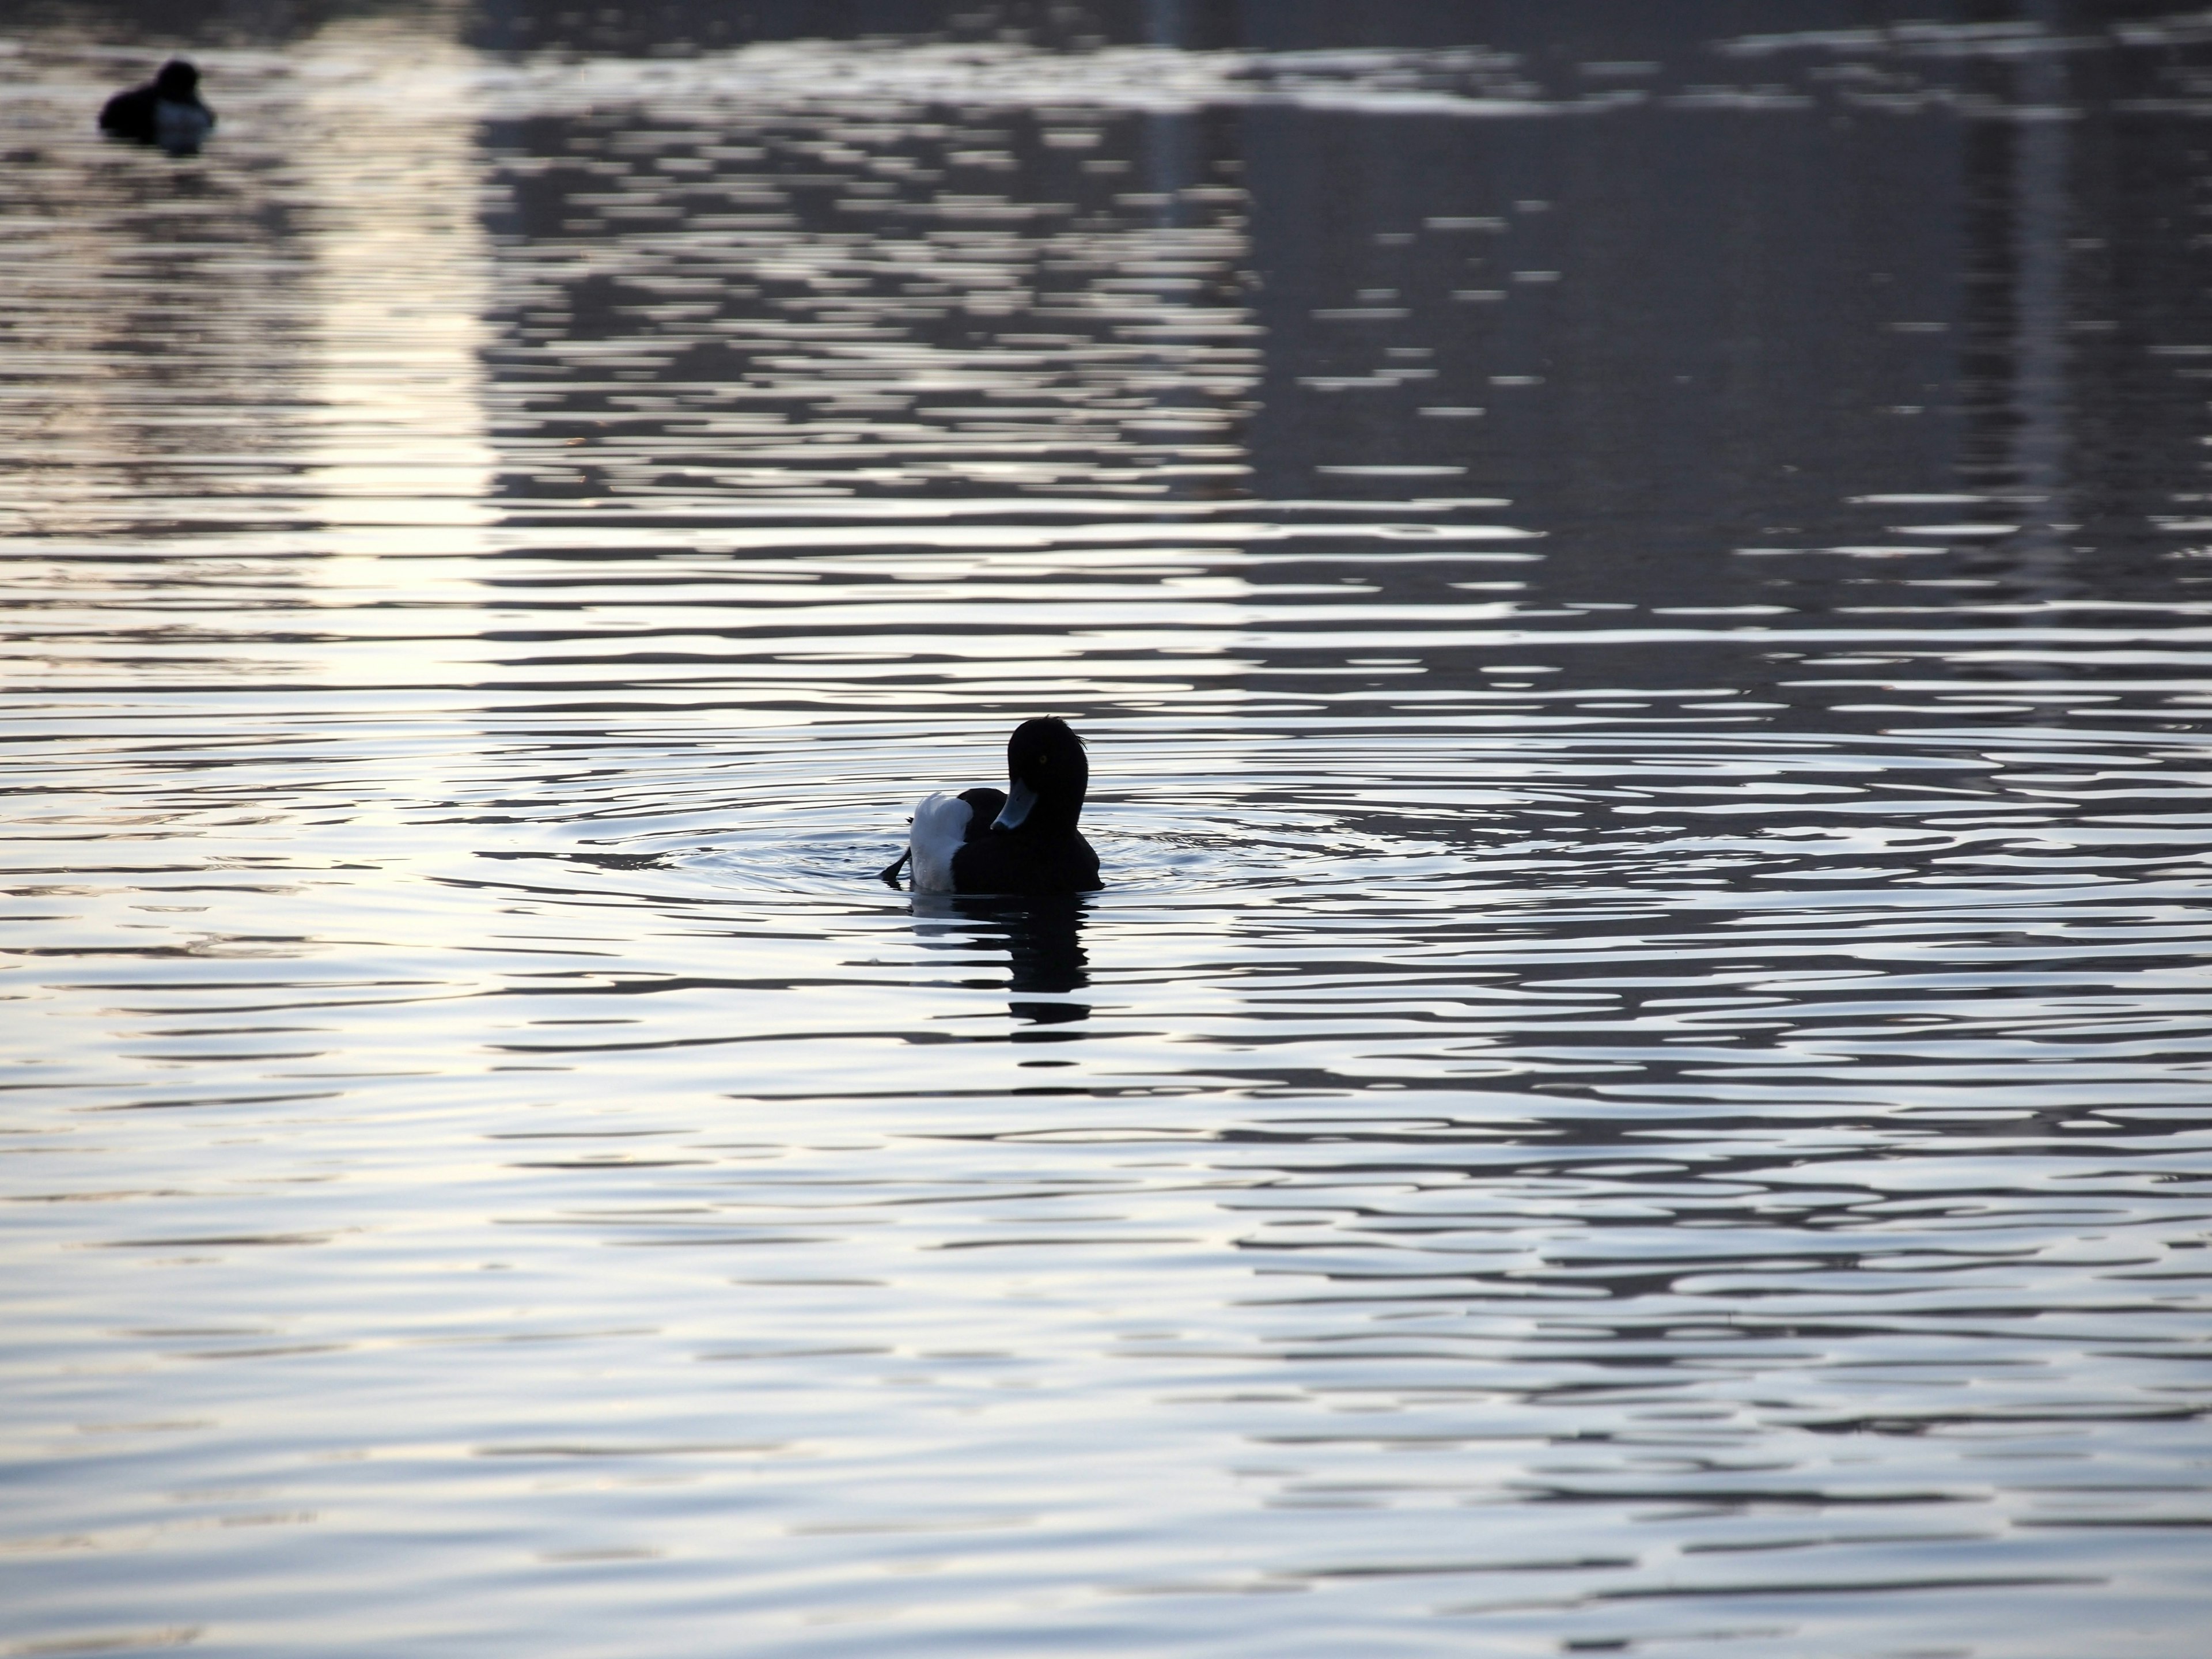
940 825
179 128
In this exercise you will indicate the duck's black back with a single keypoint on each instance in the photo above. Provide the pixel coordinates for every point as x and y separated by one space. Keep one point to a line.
131 114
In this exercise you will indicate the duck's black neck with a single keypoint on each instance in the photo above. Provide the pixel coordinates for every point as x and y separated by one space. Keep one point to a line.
1053 815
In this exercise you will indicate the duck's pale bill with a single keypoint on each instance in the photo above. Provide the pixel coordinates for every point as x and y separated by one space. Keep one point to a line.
1019 800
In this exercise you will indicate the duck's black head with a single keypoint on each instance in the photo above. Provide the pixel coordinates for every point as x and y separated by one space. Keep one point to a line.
1049 773
178 81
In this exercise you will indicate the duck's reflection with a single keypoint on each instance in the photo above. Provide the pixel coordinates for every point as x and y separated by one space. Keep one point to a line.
1043 938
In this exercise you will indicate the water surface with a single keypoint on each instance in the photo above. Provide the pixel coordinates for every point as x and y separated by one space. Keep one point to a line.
1638 595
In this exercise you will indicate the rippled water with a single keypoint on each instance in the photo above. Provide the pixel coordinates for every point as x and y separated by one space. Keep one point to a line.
1642 1079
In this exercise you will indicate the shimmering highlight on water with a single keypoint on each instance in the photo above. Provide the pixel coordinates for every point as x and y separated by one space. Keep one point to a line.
1640 1080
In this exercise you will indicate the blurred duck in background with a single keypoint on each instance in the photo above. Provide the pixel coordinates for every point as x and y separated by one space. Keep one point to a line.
167 111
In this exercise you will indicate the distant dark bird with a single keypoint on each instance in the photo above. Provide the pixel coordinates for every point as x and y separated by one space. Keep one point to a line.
1023 841
167 111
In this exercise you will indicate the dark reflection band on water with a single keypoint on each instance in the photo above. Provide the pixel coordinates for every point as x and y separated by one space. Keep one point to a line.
1639 1080
1040 941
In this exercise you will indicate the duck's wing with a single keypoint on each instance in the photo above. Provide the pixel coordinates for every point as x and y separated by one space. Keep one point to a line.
984 806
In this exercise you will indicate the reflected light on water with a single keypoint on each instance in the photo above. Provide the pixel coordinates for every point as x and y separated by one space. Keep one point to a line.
401 273
1638 1083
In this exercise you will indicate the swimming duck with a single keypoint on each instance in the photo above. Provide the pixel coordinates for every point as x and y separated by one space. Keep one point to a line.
1022 841
167 111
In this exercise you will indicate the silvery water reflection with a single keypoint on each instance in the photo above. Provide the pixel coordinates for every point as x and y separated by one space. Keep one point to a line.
1639 1080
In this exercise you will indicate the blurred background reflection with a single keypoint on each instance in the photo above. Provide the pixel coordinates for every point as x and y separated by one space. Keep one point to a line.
1639 1080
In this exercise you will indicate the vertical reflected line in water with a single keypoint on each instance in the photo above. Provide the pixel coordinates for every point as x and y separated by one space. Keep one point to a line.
1182 150
1171 167
401 259
2015 365
2041 431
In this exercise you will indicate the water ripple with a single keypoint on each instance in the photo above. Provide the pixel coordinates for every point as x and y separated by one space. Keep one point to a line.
1638 1079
